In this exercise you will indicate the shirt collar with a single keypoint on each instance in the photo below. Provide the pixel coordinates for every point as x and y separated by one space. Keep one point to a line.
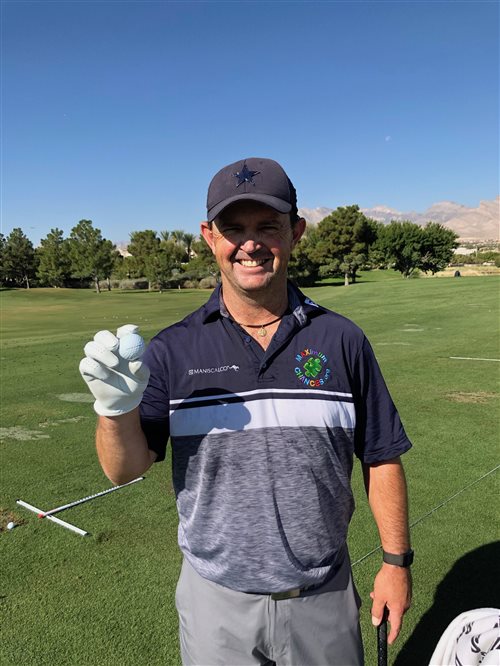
211 309
301 306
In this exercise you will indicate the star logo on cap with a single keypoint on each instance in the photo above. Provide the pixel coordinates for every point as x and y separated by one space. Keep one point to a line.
245 175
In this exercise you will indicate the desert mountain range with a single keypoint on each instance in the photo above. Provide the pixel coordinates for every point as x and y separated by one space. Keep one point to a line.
471 224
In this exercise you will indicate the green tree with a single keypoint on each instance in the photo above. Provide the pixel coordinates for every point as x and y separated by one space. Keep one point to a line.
488 255
302 268
351 264
3 275
343 240
377 254
54 267
161 264
92 256
177 235
409 247
184 240
109 258
402 245
143 245
188 242
438 245
19 261
123 268
202 263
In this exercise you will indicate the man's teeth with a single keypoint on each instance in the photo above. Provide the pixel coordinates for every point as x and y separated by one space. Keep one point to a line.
250 263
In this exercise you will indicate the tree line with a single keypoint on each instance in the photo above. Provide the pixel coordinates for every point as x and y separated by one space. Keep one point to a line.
342 244
86 257
347 241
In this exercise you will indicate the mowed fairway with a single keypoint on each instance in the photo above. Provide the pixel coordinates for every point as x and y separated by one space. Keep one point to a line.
108 598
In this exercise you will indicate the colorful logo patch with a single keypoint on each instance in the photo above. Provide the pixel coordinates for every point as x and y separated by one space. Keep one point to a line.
311 369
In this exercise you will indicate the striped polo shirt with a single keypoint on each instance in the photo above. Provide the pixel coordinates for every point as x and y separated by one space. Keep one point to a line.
263 441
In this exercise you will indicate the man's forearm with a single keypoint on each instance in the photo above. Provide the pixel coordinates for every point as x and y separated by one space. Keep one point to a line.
386 489
122 448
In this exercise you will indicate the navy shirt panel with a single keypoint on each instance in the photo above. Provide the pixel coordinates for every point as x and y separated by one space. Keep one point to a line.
207 353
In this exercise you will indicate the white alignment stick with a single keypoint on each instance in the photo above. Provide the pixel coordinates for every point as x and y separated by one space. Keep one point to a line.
60 522
46 514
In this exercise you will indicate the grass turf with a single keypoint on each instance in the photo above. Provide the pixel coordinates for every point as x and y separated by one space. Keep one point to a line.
109 598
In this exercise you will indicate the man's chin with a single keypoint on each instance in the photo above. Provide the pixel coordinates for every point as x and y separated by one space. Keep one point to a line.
251 287
254 279
255 285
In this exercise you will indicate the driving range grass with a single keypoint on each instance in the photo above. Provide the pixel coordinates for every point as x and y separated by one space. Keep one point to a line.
108 598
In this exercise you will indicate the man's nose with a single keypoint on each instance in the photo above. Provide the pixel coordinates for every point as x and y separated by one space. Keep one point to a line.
250 243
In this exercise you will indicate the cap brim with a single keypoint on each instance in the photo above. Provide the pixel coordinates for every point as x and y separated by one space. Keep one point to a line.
273 202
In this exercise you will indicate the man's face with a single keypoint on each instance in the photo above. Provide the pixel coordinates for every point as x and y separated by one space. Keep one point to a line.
252 244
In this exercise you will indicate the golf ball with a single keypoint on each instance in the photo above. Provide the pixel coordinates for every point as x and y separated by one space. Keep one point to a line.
132 347
10 526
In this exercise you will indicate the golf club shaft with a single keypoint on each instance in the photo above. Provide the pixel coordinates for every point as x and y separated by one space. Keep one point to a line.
58 521
46 514
382 641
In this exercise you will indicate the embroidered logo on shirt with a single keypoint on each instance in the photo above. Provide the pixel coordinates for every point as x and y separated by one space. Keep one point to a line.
209 371
311 369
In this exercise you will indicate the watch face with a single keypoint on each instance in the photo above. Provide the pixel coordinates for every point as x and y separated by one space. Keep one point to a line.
407 559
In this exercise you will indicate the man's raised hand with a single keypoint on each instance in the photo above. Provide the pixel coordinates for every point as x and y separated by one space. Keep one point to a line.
116 381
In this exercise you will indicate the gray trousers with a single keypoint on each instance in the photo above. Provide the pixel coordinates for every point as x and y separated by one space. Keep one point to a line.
223 627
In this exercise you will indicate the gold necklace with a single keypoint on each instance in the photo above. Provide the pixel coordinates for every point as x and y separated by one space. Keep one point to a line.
262 327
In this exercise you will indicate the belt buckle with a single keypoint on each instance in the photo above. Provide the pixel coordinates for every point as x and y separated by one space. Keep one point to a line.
289 594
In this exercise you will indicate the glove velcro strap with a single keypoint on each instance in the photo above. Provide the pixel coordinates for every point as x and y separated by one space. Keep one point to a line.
106 411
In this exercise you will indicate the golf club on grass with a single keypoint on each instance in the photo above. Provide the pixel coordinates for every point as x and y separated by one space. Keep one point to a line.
46 514
382 640
49 514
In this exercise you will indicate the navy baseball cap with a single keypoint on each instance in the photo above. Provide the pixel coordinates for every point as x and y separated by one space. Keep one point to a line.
254 178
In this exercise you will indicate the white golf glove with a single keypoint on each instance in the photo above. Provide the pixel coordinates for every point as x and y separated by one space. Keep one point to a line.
116 381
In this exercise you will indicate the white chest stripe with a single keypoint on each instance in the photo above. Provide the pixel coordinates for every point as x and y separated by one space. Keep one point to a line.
267 413
243 394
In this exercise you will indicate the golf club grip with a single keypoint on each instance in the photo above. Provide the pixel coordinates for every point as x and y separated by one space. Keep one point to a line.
382 641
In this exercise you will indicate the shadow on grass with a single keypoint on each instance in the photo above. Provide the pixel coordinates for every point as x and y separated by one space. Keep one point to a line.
473 582
366 277
317 284
156 292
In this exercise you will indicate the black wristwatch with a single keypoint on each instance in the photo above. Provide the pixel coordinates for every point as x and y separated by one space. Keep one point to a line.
404 560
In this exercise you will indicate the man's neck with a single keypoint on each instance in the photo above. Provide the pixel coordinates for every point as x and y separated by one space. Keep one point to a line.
255 307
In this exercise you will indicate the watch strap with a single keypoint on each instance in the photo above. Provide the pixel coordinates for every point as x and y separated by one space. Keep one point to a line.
403 560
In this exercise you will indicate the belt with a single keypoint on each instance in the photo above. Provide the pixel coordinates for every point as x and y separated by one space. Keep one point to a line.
288 594
296 592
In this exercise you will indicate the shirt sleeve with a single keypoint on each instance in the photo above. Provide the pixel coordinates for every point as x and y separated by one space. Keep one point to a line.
154 408
379 433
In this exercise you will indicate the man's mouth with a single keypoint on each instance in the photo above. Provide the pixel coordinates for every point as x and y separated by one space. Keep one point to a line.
251 263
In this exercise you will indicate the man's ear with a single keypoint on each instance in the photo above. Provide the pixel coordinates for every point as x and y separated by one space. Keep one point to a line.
298 231
208 234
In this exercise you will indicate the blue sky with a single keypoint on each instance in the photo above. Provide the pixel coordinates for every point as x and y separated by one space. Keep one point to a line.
121 112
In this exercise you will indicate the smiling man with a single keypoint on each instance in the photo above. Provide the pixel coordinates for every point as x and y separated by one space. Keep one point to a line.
252 235
266 398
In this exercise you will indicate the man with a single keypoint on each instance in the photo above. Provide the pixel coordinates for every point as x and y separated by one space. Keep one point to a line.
265 396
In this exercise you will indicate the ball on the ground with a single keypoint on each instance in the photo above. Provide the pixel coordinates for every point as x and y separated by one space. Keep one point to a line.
11 525
132 347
